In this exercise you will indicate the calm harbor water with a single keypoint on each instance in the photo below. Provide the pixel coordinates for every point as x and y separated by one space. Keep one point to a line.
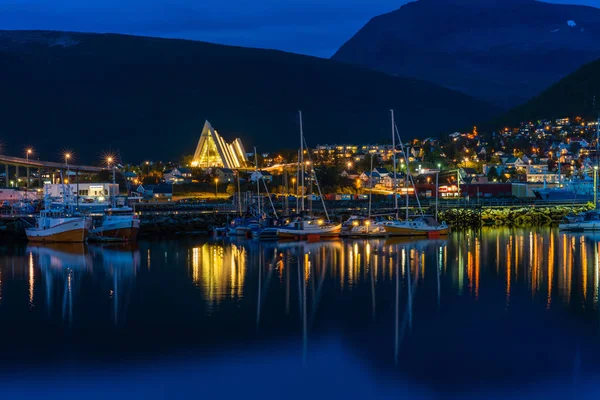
501 311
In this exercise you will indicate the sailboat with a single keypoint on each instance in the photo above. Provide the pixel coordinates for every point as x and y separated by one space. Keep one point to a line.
59 225
118 223
308 228
366 227
418 226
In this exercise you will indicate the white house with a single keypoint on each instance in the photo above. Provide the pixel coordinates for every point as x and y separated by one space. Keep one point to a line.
173 176
256 175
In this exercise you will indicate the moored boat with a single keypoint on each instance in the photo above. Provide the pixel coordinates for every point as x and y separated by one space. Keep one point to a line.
588 221
420 226
55 226
311 228
118 224
365 228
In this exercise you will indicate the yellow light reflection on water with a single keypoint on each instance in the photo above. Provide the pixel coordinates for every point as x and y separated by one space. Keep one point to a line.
584 264
31 279
219 270
550 269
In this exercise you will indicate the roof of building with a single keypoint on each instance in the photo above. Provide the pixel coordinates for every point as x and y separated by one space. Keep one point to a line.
381 170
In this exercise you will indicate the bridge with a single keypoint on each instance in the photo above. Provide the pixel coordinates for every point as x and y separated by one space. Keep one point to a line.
18 162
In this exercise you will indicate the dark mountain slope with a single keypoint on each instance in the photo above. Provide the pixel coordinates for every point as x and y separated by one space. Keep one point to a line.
576 95
504 51
149 97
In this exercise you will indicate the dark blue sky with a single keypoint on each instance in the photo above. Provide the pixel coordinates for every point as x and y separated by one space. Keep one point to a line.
316 27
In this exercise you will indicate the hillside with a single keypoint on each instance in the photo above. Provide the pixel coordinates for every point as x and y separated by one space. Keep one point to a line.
576 95
149 97
505 52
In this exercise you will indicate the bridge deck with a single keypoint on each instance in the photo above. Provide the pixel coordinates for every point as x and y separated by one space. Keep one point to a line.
23 162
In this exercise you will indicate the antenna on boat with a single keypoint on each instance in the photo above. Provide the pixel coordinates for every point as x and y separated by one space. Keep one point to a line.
371 186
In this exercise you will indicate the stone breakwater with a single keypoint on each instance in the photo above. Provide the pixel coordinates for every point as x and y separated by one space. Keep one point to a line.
517 217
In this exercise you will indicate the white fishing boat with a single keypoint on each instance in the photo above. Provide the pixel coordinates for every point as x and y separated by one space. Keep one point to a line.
59 227
118 224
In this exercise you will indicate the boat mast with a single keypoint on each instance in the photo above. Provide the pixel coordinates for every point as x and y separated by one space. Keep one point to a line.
314 176
113 201
301 161
257 181
370 185
394 161
597 161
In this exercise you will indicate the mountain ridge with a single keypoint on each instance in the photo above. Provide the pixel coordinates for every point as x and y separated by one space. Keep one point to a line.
576 95
148 97
503 52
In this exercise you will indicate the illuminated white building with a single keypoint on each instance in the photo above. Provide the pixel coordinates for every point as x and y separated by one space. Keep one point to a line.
213 151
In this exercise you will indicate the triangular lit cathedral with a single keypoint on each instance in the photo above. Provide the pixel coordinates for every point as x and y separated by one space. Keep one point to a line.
212 151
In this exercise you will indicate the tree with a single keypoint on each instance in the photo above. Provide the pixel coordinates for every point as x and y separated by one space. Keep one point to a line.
574 147
230 189
492 174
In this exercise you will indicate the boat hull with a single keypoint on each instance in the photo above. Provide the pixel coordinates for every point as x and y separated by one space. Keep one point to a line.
580 227
408 231
68 232
322 233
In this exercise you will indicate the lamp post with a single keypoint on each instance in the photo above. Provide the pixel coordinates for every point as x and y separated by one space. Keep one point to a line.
216 187
67 157
27 153
595 186
109 162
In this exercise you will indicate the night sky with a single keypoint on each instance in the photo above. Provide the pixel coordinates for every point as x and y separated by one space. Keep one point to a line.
316 27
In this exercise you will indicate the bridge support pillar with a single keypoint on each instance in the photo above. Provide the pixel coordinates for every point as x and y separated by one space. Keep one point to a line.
27 169
7 177
16 176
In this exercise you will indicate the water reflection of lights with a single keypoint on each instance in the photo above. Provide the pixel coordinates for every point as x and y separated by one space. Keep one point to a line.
31 280
220 270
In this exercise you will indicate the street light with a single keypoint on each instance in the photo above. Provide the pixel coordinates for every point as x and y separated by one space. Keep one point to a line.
349 164
216 186
27 153
110 161
67 158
